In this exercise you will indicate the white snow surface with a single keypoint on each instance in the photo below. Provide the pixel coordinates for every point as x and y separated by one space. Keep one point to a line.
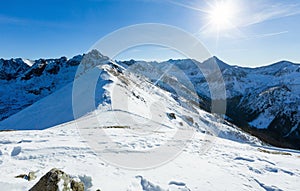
227 165
262 121
28 62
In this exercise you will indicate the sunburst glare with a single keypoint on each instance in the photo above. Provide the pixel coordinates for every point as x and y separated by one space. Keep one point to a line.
221 16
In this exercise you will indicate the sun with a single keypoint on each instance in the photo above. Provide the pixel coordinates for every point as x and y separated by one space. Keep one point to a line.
221 15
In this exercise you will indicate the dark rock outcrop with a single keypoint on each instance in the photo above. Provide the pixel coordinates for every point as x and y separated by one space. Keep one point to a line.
11 69
49 182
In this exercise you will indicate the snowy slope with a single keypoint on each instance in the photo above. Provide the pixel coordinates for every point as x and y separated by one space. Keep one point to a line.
28 62
227 165
266 98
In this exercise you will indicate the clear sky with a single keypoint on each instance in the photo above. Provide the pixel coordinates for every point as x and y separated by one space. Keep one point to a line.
239 32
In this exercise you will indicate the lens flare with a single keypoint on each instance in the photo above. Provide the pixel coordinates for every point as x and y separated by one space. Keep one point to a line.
221 15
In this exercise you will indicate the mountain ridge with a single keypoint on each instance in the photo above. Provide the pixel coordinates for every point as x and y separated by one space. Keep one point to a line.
263 101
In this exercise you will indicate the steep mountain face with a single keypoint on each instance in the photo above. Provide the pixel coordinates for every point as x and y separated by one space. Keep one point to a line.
264 101
268 103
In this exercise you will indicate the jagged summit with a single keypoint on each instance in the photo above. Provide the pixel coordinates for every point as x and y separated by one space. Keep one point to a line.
10 69
96 54
93 57
217 61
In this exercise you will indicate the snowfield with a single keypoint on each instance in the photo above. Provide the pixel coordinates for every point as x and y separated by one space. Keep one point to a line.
226 165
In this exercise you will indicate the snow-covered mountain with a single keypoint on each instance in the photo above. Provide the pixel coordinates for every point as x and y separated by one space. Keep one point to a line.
263 101
116 85
22 85
125 124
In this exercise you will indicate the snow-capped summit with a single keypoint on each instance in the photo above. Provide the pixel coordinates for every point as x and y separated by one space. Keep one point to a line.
222 65
93 58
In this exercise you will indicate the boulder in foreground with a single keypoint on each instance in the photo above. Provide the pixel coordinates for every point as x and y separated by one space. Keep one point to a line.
56 178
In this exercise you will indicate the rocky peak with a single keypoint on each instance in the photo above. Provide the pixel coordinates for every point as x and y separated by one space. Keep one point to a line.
217 61
11 69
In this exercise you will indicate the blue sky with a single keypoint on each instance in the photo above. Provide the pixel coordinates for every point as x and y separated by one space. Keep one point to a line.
258 32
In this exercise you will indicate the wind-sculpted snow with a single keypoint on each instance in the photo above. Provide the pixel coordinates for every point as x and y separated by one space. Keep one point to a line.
227 165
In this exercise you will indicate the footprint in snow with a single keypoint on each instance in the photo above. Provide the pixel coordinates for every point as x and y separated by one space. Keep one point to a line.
244 159
24 141
16 151
271 169
178 186
5 142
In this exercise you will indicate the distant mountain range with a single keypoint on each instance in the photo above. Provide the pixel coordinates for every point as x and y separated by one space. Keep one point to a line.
263 101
